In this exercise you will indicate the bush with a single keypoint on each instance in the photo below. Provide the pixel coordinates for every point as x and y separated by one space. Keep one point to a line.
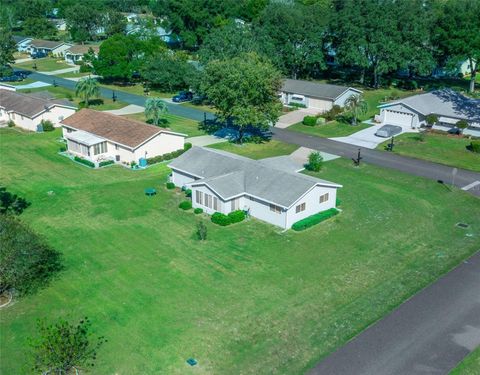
188 193
63 148
315 162
431 120
11 123
462 124
170 185
185 205
331 114
154 160
297 105
198 210
338 202
221 219
85 68
187 146
201 231
314 219
236 216
321 121
105 163
475 146
84 161
309 121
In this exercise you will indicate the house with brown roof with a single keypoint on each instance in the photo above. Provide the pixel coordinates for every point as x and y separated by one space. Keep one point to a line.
28 110
56 48
76 52
99 136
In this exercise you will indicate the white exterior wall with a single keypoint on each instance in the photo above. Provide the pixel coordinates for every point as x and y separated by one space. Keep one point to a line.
322 105
342 98
55 115
180 179
161 144
312 204
261 210
59 51
224 207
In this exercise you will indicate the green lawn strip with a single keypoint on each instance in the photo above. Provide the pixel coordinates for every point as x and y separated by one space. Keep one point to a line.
329 130
26 81
469 366
175 123
249 298
73 75
200 107
137 89
440 148
255 150
46 64
102 104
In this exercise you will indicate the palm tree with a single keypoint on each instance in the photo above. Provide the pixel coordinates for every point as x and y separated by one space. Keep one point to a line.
155 108
357 105
87 88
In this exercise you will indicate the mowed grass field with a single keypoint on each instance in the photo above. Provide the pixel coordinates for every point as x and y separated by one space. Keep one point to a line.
257 150
249 300
175 123
439 148
46 64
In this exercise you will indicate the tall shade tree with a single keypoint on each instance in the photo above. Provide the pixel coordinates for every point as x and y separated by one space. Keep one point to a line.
458 34
155 109
375 36
39 28
296 36
357 106
83 21
87 88
7 49
243 91
64 348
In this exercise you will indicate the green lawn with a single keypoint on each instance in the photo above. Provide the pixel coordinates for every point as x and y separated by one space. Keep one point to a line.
470 365
175 123
440 148
137 89
102 104
257 151
26 81
73 75
46 64
251 299
332 129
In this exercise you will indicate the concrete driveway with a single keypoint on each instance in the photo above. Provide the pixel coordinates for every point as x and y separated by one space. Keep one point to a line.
294 117
366 138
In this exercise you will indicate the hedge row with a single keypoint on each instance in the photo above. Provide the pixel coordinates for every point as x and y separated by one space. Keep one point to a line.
169 156
84 161
314 219
105 163
232 218
309 120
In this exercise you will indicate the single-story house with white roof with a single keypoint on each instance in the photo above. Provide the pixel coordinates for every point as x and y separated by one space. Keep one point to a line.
56 48
98 136
27 111
76 52
22 42
450 107
315 95
271 190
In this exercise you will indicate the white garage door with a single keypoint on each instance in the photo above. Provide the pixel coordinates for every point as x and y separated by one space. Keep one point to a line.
398 118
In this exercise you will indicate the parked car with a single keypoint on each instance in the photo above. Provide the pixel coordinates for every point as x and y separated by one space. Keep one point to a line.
455 131
38 55
14 78
183 96
387 131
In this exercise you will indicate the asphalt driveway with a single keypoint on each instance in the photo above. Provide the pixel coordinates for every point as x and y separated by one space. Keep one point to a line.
428 334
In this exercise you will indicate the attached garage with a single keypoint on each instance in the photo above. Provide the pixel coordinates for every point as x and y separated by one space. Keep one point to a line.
398 118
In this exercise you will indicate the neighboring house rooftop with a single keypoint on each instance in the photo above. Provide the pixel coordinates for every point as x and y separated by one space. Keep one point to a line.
114 128
81 49
231 175
446 102
19 39
314 89
29 105
47 44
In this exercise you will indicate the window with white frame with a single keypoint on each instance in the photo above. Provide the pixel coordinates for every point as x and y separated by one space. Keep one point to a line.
324 198
100 148
301 207
275 209
199 197
235 204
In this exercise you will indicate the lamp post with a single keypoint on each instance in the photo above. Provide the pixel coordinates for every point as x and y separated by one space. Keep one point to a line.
114 97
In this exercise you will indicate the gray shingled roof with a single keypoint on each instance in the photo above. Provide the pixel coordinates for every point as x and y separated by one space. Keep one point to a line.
230 175
445 102
47 44
314 89
28 105
18 38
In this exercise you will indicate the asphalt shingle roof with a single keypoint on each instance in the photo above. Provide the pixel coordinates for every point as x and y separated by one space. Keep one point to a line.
230 175
48 44
28 105
314 89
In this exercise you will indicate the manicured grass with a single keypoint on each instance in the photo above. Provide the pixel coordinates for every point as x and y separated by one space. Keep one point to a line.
376 97
175 123
330 130
200 107
250 299
470 365
26 81
73 75
102 104
257 151
137 89
46 64
440 148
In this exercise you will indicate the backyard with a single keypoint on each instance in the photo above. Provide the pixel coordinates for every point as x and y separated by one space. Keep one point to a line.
175 123
248 299
46 64
257 150
439 148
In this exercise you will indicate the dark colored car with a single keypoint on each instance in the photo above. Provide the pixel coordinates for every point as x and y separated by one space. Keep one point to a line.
38 55
455 131
183 96
14 78
387 131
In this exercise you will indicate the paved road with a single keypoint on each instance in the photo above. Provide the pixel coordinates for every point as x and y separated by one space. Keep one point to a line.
405 164
174 109
428 334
